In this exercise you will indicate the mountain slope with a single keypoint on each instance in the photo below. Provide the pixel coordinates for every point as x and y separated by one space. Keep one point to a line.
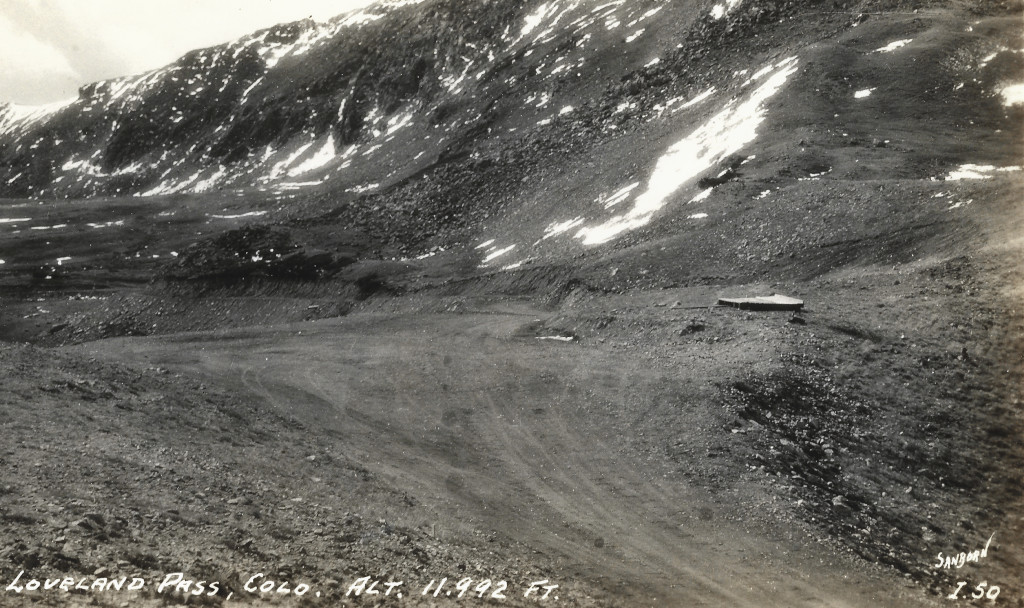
291 100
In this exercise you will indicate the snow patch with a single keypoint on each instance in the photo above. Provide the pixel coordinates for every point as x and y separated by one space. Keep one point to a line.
19 117
1012 94
106 224
654 11
211 181
83 167
547 15
635 35
704 194
297 185
498 253
672 105
239 215
723 134
971 171
758 74
618 196
721 10
861 94
169 187
560 227
623 106
256 83
278 169
892 46
398 122
321 157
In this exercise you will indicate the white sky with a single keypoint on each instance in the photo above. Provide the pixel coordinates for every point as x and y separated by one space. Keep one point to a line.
48 48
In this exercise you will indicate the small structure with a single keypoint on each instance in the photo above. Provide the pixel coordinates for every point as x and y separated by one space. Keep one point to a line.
772 302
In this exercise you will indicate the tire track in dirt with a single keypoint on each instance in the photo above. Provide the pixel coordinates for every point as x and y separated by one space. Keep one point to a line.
447 408
560 465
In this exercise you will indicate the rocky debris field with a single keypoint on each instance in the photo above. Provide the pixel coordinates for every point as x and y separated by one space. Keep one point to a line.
113 471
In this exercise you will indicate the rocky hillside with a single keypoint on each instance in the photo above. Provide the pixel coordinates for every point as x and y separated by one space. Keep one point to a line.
423 127
306 102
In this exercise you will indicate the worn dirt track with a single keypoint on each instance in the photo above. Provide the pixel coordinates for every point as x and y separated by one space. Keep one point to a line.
490 430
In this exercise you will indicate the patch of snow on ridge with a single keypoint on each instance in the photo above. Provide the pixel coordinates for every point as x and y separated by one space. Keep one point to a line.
169 187
544 19
453 83
84 167
398 122
535 18
108 224
721 10
14 116
321 157
399 3
861 94
758 74
971 171
672 105
245 94
273 53
723 134
635 35
892 46
498 253
359 18
211 181
704 194
240 215
618 196
297 185
1012 94
282 166
654 11
560 227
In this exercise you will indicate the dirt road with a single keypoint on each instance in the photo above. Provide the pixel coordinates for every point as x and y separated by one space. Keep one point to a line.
493 431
